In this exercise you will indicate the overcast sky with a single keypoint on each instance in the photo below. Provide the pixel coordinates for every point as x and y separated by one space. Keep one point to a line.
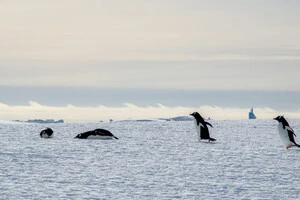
157 44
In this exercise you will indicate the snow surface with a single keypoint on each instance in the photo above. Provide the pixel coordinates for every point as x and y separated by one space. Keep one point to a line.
151 160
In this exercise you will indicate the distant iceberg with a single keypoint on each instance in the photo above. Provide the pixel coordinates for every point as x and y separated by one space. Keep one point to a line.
179 118
251 114
47 121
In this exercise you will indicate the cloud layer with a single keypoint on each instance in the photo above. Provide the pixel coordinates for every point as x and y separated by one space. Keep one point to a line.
151 44
155 30
71 113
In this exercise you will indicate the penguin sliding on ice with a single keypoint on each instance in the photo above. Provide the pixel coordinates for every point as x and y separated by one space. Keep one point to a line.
286 133
96 134
201 127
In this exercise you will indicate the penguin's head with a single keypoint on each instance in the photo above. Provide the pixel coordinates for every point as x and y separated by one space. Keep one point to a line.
279 118
196 115
199 119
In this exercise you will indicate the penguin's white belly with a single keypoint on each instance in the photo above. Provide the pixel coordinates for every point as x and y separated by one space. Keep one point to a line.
99 137
283 134
197 130
46 136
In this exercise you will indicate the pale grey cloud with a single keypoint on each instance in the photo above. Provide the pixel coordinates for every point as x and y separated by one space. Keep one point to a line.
151 44
147 30
204 75
159 45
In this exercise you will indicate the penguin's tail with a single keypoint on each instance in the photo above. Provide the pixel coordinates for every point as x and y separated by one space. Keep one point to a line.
212 139
115 137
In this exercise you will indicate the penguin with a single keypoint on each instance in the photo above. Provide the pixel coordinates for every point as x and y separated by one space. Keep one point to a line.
286 133
46 133
96 134
201 127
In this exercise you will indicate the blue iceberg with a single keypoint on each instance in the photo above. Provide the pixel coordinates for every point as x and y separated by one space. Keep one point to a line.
251 114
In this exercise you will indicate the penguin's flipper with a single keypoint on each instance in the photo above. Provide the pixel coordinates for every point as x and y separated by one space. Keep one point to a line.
289 129
208 124
291 136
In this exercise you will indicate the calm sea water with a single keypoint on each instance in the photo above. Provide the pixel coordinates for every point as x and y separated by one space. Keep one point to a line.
151 160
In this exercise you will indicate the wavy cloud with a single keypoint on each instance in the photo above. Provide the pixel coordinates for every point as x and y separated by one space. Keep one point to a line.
72 113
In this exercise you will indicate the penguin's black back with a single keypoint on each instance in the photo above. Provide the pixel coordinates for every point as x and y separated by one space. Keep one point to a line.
204 132
99 132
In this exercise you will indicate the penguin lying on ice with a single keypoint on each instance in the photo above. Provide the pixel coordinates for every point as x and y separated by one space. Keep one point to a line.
46 133
96 134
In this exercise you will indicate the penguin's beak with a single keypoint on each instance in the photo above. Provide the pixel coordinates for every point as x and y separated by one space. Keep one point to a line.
191 114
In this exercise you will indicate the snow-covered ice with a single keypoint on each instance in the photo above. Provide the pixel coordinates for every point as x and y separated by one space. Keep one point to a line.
151 160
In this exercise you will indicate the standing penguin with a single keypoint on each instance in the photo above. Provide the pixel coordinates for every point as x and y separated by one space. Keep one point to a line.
201 127
286 133
46 133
